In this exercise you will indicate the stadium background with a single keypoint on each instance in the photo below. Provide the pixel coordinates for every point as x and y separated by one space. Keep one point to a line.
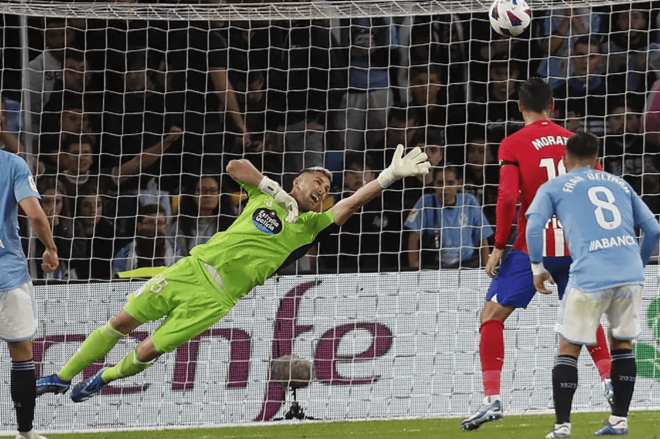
326 83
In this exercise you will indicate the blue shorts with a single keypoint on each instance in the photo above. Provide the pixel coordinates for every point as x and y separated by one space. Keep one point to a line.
514 284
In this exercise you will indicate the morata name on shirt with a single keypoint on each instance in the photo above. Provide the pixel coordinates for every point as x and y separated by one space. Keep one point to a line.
544 141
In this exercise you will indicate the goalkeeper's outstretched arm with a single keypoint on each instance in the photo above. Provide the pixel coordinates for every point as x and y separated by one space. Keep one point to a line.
412 164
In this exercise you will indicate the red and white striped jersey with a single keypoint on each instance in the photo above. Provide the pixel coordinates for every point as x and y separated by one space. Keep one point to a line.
529 158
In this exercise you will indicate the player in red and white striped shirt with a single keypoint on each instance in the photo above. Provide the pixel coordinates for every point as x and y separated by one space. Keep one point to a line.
528 158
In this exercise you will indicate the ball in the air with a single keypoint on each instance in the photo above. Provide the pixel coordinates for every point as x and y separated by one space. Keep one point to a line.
509 17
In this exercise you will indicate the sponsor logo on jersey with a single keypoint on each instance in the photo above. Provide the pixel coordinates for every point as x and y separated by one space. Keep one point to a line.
268 203
615 241
267 221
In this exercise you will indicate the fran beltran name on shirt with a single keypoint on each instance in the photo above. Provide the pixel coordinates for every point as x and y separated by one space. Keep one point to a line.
549 140
574 181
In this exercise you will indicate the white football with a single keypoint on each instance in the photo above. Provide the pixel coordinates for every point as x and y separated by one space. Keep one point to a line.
509 17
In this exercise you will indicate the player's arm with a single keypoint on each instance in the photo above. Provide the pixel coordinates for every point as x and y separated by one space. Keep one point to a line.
41 227
412 164
505 211
243 170
645 220
538 214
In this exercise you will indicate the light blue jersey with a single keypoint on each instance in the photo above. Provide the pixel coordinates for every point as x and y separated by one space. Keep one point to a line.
459 228
16 184
598 212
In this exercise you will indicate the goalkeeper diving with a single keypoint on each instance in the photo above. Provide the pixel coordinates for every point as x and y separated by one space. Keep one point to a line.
195 293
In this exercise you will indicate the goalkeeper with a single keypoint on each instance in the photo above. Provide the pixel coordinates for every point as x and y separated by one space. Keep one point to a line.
199 290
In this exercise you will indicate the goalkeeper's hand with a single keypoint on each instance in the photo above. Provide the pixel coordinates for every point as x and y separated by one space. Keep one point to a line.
413 163
286 201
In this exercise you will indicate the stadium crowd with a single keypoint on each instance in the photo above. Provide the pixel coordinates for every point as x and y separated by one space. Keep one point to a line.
128 125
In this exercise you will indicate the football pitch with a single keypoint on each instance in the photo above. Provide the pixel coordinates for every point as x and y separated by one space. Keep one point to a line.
643 425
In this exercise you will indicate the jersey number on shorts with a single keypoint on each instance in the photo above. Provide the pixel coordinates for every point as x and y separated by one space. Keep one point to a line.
602 205
157 285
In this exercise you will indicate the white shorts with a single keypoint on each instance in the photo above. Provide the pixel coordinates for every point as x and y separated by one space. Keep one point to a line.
580 313
18 314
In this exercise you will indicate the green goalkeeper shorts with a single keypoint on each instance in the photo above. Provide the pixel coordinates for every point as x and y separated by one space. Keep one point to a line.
185 293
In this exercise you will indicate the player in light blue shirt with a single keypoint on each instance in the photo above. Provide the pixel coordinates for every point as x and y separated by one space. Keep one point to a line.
599 213
18 320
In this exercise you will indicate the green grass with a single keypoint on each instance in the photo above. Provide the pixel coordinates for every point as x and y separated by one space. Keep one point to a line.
643 425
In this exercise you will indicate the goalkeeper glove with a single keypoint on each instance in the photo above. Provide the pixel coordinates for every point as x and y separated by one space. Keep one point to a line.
286 201
412 164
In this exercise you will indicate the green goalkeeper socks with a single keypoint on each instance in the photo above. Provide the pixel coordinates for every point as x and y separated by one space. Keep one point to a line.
96 346
128 366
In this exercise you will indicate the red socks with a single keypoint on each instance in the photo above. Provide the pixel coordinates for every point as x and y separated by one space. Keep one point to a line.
491 351
601 354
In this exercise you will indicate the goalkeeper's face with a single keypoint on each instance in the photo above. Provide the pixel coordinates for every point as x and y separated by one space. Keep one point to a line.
310 190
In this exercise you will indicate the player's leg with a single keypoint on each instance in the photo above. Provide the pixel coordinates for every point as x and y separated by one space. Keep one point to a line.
23 392
512 288
96 346
19 324
579 317
194 306
564 384
148 303
559 268
623 315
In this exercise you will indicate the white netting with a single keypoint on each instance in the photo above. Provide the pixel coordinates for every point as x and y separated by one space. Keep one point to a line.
129 112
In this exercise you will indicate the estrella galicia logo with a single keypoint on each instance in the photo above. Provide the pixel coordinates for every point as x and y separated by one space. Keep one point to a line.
267 221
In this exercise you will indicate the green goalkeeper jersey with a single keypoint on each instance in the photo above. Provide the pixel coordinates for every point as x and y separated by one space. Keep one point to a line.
258 242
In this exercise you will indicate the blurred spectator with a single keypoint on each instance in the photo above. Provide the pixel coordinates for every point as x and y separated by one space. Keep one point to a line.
78 159
96 236
46 69
151 247
401 123
298 95
498 110
558 30
77 80
9 141
448 223
135 125
582 95
199 216
428 96
627 155
242 48
371 58
370 240
440 41
634 53
481 167
415 187
73 122
206 98
55 204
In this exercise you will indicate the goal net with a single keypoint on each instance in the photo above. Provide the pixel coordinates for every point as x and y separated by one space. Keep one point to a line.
128 114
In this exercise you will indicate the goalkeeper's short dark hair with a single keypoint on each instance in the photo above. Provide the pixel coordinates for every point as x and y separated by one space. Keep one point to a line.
535 94
320 169
583 145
